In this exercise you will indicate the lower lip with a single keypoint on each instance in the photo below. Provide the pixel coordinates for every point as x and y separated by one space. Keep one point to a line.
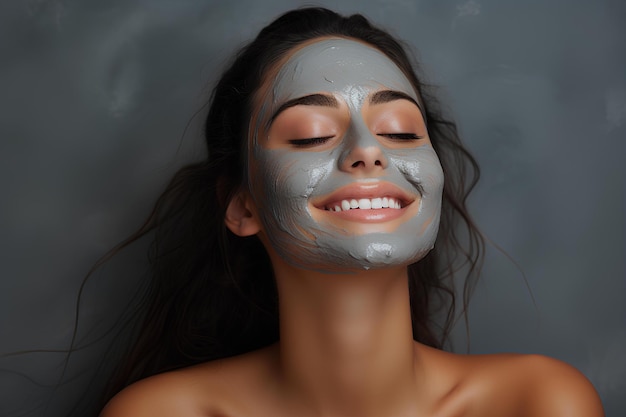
369 216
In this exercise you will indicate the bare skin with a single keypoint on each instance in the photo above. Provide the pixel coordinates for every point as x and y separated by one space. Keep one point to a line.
458 385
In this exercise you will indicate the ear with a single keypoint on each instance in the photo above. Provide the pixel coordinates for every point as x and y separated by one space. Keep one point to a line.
241 218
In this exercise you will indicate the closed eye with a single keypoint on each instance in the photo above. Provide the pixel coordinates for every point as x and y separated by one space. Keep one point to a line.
401 136
303 143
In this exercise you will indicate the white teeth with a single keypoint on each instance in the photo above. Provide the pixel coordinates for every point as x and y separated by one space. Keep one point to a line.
366 204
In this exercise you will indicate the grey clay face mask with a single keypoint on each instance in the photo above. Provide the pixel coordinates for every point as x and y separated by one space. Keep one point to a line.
284 181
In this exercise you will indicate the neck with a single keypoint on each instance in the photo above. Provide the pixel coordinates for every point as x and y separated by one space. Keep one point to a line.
346 344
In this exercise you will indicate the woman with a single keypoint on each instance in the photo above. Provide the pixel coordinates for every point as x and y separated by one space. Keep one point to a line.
329 172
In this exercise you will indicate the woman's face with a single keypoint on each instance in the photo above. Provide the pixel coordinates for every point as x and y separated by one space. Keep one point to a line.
341 169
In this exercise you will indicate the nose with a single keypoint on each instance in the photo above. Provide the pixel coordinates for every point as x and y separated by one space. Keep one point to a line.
362 153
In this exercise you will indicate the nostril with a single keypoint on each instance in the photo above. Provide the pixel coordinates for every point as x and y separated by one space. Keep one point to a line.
357 164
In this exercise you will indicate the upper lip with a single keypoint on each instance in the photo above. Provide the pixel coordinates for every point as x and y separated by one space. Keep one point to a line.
357 190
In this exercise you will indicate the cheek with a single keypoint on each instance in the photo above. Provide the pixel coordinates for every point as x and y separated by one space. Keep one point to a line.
286 180
268 178
433 174
421 167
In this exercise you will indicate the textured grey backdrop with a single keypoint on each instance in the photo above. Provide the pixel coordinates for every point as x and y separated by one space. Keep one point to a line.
95 96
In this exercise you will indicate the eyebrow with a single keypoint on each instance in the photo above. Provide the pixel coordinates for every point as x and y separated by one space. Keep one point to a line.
386 96
310 100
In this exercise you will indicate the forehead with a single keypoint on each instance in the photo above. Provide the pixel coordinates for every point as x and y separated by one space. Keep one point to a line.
340 66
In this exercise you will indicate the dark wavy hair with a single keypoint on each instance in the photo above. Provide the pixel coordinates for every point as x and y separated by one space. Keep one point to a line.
212 294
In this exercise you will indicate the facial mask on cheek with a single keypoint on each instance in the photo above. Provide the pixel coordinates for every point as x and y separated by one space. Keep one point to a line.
284 181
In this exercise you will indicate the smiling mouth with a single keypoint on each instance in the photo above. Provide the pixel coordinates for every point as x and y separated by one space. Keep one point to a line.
371 201
365 204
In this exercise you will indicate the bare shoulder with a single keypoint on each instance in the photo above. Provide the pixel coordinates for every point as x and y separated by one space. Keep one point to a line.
174 393
513 384
205 390
558 389
165 394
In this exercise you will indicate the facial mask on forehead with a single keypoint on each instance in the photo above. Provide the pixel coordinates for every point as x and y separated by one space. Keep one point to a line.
284 182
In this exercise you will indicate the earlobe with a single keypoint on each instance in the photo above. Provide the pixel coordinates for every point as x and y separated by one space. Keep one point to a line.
240 217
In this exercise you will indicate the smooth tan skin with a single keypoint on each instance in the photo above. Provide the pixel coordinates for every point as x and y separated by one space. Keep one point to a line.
346 346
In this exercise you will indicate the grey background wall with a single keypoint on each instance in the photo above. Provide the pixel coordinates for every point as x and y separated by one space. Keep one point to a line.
95 97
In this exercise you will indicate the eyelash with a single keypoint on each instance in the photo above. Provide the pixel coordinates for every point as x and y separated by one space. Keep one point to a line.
302 143
401 136
310 141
